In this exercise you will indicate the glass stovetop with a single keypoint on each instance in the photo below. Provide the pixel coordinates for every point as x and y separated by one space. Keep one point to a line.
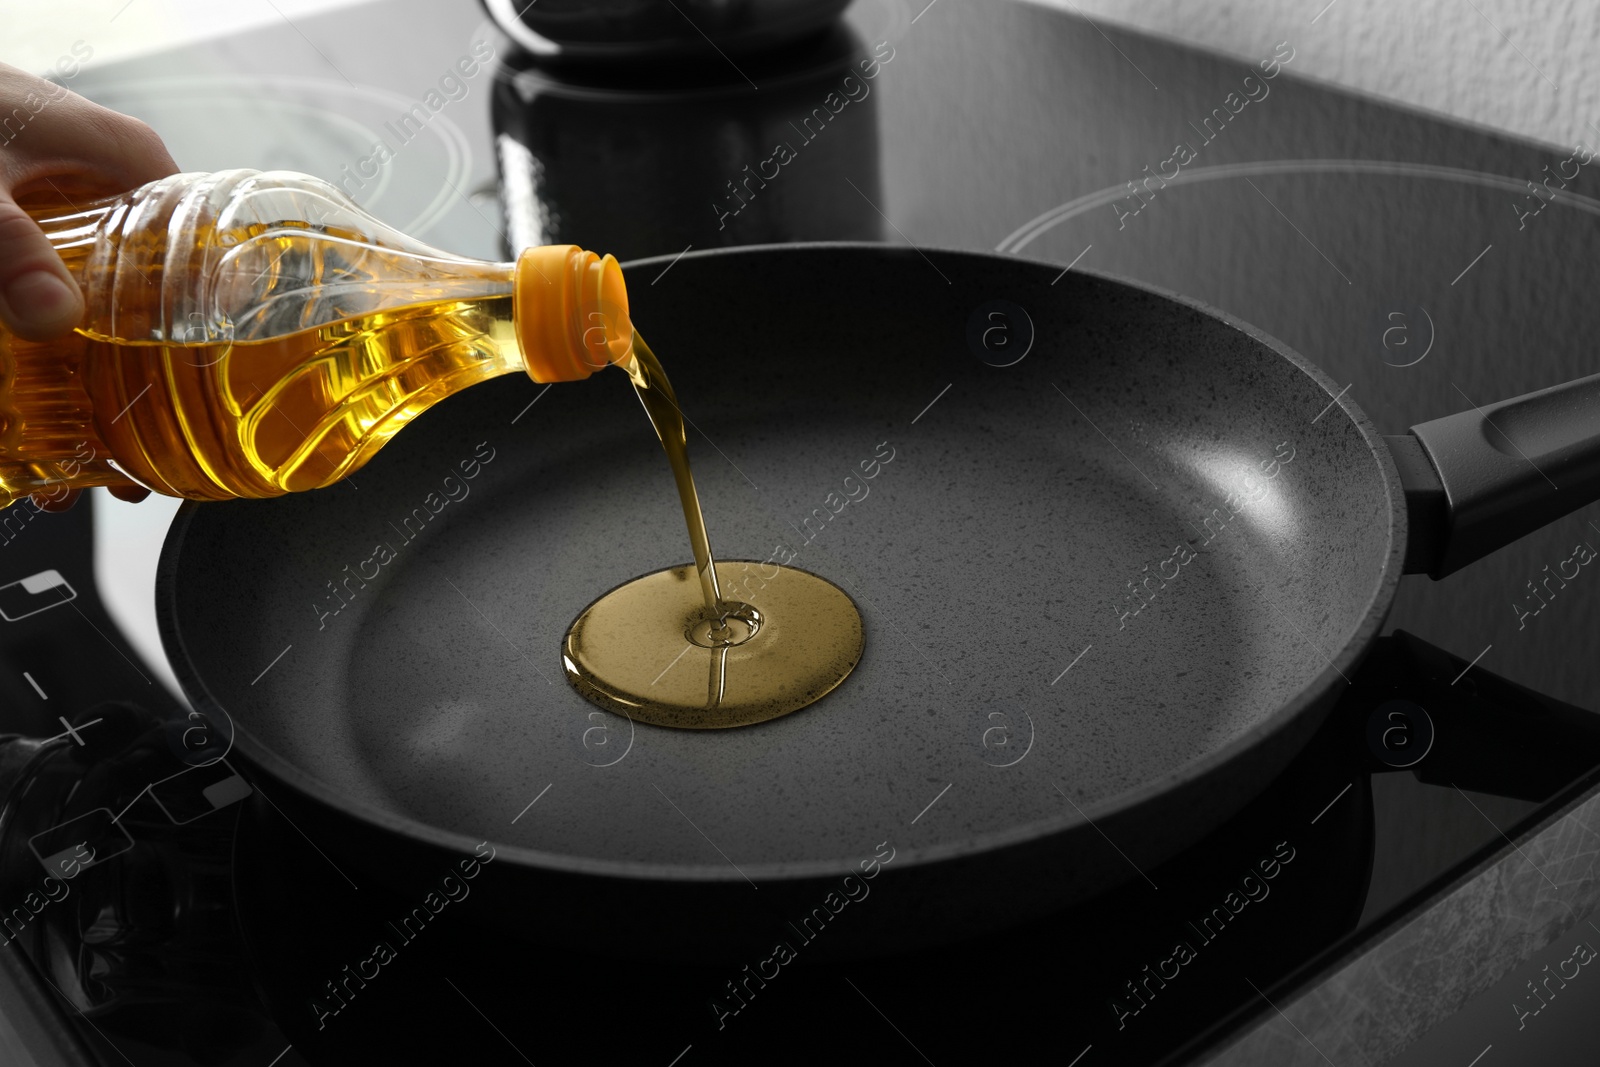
1406 255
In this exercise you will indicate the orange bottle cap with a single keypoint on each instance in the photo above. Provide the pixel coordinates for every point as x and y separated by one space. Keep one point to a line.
570 310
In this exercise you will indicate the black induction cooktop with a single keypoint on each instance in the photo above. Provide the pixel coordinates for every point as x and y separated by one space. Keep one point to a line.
1417 888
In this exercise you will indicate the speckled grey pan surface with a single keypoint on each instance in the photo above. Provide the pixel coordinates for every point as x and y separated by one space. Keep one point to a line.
994 546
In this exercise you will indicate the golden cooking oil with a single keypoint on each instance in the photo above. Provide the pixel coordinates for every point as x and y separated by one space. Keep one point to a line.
667 649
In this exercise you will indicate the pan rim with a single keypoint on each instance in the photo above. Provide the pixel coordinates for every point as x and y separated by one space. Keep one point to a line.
1305 701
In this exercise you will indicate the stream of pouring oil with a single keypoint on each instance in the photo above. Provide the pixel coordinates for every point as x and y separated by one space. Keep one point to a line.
651 651
661 404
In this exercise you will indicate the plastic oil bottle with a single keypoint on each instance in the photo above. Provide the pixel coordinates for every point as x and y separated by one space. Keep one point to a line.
250 334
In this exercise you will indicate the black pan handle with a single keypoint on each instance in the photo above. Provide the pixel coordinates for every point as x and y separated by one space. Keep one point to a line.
1478 480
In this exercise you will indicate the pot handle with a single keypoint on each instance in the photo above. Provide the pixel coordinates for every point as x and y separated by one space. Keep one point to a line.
1478 480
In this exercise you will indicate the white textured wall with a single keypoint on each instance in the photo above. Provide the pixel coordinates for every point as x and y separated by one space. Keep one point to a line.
1523 66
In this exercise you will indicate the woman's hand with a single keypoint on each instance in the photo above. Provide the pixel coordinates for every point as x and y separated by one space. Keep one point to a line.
55 143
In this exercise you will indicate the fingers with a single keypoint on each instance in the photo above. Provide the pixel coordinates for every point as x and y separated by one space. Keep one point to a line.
38 298
57 146
113 151
131 493
65 135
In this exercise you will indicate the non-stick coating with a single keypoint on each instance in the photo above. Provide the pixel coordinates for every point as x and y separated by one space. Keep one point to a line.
995 548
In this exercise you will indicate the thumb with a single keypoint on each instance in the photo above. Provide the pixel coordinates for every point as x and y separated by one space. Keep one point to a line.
39 300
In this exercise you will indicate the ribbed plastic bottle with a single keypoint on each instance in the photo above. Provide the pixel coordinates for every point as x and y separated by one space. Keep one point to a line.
250 334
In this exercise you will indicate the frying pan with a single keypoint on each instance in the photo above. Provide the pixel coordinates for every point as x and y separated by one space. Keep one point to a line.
1115 553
